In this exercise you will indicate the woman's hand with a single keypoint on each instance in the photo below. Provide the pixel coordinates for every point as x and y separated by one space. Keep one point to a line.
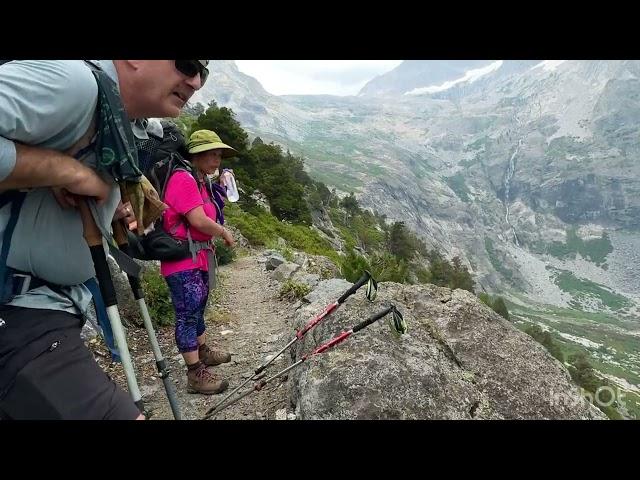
220 182
228 238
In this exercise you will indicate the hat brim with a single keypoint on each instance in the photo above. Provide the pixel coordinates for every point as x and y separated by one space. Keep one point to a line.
227 151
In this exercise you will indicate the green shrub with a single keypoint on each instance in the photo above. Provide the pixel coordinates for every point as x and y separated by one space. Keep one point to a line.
547 341
158 298
224 253
291 290
353 265
496 304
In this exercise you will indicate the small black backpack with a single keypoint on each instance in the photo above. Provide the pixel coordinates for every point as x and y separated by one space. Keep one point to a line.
159 157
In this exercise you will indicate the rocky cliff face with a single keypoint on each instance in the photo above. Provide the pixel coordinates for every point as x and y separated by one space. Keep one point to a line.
519 153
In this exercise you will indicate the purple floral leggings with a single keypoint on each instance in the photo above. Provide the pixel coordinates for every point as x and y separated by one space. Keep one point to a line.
189 294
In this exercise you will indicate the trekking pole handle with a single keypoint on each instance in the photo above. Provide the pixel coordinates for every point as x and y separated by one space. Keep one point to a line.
374 318
120 236
119 233
93 237
364 279
91 232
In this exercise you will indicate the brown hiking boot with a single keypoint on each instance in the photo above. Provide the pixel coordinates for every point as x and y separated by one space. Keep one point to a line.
211 356
203 381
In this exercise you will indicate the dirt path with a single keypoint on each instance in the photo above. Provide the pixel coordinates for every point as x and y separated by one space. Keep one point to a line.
245 317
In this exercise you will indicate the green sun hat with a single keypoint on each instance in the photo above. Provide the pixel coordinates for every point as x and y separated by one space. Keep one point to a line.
203 140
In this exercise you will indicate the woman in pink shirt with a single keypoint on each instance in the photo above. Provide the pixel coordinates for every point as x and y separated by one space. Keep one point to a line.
195 209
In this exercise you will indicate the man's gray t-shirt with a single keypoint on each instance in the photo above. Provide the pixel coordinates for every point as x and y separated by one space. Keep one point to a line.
50 104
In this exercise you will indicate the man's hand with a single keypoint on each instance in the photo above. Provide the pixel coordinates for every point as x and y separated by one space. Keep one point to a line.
89 184
65 198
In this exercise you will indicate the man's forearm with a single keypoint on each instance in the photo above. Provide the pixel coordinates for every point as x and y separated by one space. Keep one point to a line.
42 167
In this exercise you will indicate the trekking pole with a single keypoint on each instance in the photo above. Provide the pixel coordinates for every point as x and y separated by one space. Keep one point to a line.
398 325
372 289
120 236
94 239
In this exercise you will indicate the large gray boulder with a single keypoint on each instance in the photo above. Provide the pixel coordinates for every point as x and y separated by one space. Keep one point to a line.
326 292
322 266
310 279
459 360
285 271
274 260
301 259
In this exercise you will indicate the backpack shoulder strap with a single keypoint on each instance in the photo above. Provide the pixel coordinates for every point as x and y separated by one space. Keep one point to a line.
16 199
92 65
174 166
171 170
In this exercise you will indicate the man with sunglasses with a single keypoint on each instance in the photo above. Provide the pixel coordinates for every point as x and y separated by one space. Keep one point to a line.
48 113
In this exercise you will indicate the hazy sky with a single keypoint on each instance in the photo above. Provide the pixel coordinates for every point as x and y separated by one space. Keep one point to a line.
314 77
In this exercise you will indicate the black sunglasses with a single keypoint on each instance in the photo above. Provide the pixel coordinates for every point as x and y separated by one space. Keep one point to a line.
191 68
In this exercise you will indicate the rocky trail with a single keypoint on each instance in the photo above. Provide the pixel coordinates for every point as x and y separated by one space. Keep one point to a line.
246 317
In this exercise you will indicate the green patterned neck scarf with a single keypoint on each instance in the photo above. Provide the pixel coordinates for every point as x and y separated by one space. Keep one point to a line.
115 143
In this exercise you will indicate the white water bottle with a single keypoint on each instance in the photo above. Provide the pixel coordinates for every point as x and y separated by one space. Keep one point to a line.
229 182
